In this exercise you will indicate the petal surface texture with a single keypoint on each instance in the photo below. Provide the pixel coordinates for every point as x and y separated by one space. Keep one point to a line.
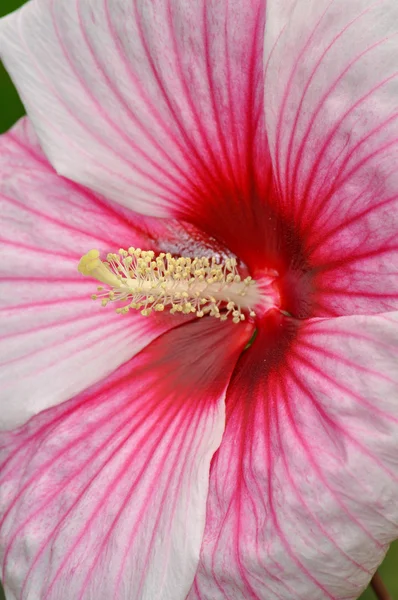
302 501
54 340
331 89
105 496
149 103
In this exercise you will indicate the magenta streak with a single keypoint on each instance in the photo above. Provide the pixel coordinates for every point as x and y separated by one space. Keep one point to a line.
309 81
82 347
234 509
87 486
44 303
138 88
69 411
341 388
300 496
338 358
81 191
278 184
242 483
231 510
343 262
52 461
62 224
103 208
362 141
36 250
191 148
354 294
190 449
131 165
367 158
358 336
68 320
33 279
324 237
338 426
305 138
73 115
250 125
333 131
231 114
254 508
115 92
287 91
295 559
188 96
121 473
314 464
209 75
356 167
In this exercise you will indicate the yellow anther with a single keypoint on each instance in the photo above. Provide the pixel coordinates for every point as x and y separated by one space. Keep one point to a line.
148 282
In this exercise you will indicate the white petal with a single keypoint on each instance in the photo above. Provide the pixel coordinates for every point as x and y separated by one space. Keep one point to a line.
104 497
54 340
331 91
154 104
303 493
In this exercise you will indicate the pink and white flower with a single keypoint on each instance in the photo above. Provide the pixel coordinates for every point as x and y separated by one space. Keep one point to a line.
183 458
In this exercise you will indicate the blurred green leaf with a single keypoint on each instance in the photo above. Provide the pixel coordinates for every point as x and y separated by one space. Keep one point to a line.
11 108
8 6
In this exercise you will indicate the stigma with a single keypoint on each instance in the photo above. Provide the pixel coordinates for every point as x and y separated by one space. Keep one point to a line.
197 286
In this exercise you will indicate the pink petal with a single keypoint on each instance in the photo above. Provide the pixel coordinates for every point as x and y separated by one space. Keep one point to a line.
55 341
303 493
332 121
104 496
158 105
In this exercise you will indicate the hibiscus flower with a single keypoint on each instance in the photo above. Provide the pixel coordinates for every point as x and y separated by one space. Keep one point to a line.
175 455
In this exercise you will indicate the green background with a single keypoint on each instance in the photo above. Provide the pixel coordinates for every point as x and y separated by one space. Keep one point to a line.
11 110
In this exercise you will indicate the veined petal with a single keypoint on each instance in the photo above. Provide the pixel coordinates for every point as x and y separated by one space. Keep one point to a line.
303 490
331 107
55 341
158 105
105 495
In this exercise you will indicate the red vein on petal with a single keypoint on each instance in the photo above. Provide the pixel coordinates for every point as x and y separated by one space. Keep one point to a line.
61 133
338 358
287 92
360 216
173 469
354 21
81 495
112 88
269 418
301 499
211 85
338 426
47 466
64 225
311 457
305 138
342 388
121 473
148 103
311 176
190 146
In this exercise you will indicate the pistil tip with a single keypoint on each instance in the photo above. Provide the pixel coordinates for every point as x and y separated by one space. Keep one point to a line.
88 262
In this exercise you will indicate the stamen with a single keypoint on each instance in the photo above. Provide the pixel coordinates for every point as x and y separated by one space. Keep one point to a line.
200 286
